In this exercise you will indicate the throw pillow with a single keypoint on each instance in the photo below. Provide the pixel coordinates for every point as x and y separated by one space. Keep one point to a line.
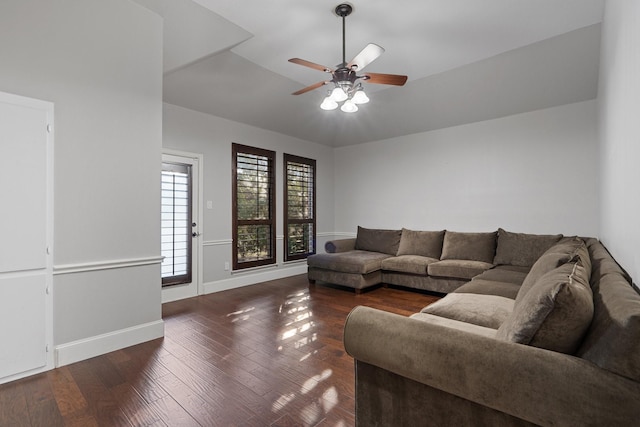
373 240
469 246
555 313
562 252
522 249
423 243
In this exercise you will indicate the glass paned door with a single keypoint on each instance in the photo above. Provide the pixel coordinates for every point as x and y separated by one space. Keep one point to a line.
177 227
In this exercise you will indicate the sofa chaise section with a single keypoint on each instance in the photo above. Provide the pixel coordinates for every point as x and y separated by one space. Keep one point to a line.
355 269
356 263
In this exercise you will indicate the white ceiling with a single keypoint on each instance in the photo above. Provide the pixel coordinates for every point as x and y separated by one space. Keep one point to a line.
467 60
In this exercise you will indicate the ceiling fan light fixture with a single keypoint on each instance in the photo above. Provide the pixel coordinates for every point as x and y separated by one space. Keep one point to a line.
347 86
349 106
329 104
338 94
360 97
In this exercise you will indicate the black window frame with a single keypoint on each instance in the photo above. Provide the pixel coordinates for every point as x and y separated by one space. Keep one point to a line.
239 149
293 159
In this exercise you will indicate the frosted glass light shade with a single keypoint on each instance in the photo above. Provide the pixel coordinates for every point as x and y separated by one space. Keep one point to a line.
329 104
349 106
338 95
360 97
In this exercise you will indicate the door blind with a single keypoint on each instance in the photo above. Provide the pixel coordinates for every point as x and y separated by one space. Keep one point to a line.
176 224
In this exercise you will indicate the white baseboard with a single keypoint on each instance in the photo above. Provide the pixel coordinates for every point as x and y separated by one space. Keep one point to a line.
253 278
76 351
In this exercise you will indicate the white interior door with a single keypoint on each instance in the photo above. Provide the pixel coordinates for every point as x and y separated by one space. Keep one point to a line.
25 226
180 231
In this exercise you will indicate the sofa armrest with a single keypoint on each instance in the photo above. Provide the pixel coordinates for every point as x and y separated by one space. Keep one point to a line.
537 385
340 245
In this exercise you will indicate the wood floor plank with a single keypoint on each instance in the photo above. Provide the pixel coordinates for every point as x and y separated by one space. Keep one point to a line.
13 407
270 354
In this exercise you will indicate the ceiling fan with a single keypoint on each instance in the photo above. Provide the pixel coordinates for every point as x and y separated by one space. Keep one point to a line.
347 82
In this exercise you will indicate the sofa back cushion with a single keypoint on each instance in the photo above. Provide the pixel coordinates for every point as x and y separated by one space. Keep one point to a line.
555 313
423 243
522 249
562 252
613 340
374 240
469 246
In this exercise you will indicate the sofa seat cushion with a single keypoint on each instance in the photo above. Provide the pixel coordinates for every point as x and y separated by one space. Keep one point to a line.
555 313
424 243
458 268
455 324
413 264
513 268
502 275
471 246
357 262
489 311
522 249
375 240
489 287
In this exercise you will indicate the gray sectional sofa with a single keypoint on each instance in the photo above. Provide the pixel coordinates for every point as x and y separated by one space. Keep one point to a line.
437 261
548 334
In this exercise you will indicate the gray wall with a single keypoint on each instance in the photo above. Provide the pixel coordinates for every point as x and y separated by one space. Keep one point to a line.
100 62
533 172
619 101
194 132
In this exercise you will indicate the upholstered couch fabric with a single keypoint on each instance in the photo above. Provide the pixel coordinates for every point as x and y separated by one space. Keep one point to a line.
555 313
530 384
501 274
425 259
469 246
522 249
489 287
341 245
483 310
384 241
562 252
423 243
415 264
460 268
359 262
431 370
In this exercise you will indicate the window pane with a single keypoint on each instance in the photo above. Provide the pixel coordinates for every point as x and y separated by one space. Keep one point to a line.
253 187
300 239
300 207
253 193
175 232
254 242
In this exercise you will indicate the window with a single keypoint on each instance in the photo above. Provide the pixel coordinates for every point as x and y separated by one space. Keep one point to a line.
176 224
253 207
299 207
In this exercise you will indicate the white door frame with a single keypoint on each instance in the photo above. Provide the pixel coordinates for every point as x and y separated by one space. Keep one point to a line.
176 292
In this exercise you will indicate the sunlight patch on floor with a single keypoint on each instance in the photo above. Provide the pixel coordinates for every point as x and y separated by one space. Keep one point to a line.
241 314
312 382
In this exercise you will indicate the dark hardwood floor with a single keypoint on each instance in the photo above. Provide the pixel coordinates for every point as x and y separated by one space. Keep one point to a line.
270 354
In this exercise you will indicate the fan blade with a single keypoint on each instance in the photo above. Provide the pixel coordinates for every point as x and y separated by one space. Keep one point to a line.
366 56
385 79
310 64
309 88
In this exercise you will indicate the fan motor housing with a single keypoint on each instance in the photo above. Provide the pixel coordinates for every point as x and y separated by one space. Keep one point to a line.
344 75
343 9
